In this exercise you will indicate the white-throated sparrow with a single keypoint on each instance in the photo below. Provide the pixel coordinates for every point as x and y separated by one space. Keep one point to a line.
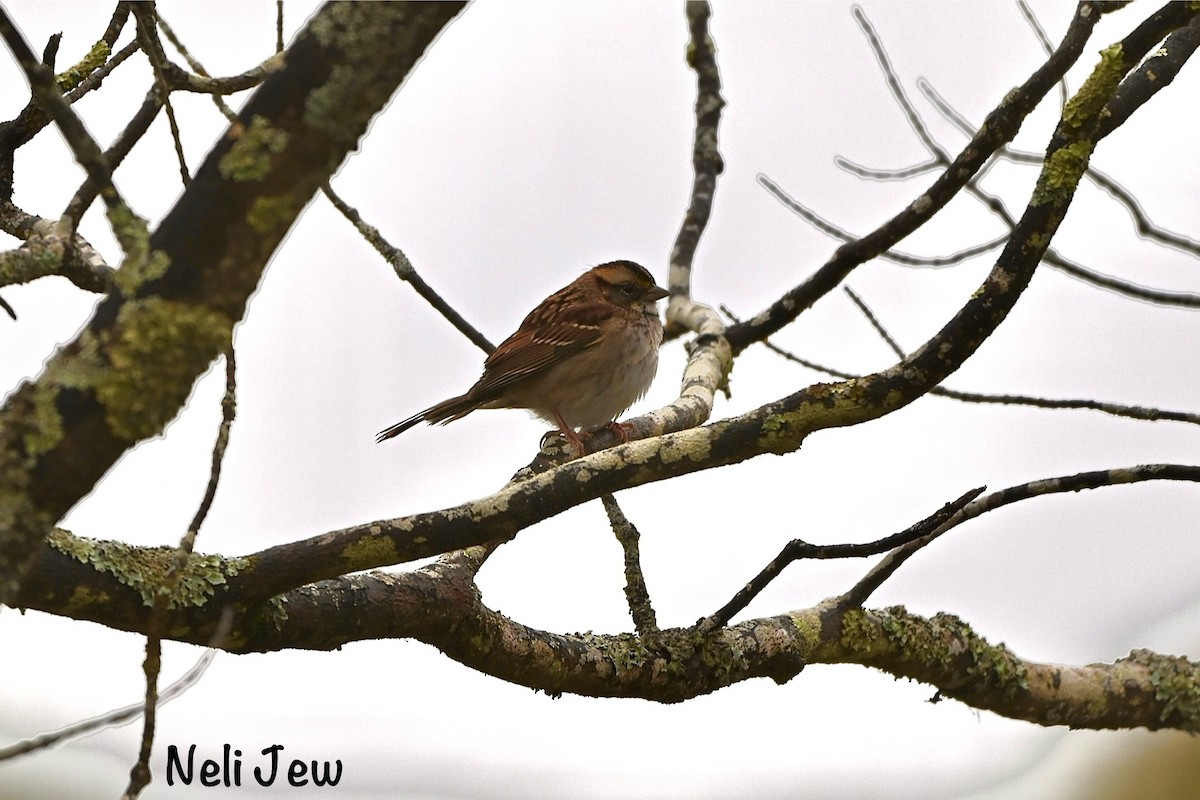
584 355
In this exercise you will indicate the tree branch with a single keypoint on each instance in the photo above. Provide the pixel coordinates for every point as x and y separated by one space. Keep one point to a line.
59 434
999 129
406 272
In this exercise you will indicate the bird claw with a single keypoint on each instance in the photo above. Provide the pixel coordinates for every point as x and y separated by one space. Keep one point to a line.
573 440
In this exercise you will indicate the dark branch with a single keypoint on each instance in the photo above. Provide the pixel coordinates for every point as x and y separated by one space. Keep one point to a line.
798 549
59 436
636 594
1070 483
1001 126
406 272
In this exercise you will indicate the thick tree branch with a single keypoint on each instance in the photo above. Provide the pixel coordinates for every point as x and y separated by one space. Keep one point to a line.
129 371
777 427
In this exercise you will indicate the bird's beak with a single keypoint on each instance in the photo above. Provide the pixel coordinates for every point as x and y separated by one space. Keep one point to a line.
656 293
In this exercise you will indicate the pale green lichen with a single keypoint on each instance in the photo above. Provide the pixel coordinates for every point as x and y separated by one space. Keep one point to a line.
1062 171
29 263
370 551
933 644
140 264
361 34
628 655
1085 107
724 656
251 156
1061 174
70 78
144 569
155 352
1176 682
47 428
808 627
276 609
272 214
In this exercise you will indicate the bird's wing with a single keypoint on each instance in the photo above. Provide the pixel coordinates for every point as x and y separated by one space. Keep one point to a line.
552 333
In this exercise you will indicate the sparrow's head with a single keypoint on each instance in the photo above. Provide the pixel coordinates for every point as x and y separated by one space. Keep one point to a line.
626 284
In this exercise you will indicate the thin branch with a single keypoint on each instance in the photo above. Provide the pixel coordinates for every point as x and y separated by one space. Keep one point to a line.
205 83
895 256
1047 47
1115 409
1160 297
1152 75
798 549
406 272
896 174
134 130
126 714
1002 125
278 26
896 89
940 155
41 79
897 350
147 31
1150 414
636 593
96 78
1069 483
707 163
1146 228
139 775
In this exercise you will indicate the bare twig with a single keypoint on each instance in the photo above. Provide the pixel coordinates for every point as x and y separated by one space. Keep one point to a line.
1146 228
117 23
798 549
278 26
895 256
147 31
636 594
942 158
126 714
1002 125
406 272
1070 483
134 130
49 96
205 83
139 775
1047 47
897 90
1115 409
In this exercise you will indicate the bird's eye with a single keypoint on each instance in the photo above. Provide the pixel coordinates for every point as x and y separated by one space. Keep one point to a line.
629 290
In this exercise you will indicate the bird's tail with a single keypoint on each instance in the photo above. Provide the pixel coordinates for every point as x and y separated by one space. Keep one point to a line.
446 411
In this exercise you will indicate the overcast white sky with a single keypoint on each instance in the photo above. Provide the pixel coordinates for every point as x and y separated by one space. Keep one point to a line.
535 140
